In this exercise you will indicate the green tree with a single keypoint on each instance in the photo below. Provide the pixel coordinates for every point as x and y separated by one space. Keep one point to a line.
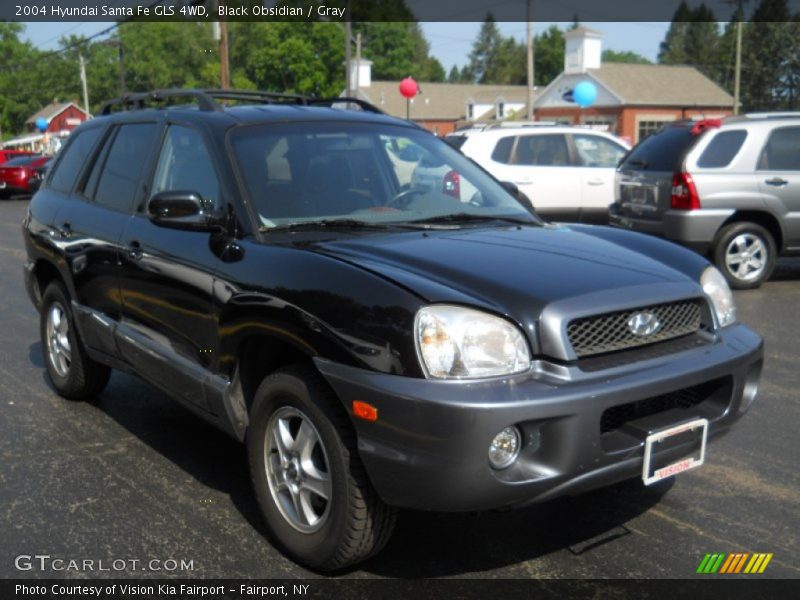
673 48
549 55
625 56
766 57
484 52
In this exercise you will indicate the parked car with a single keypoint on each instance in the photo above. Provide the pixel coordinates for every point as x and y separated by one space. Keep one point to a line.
16 174
6 155
38 175
729 189
567 172
375 346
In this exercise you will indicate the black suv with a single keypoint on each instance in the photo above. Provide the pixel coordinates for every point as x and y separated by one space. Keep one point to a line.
377 342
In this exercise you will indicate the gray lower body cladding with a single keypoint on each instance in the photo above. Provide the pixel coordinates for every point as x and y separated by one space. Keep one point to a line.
581 429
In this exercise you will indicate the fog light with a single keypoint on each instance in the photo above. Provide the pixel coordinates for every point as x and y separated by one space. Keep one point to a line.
504 448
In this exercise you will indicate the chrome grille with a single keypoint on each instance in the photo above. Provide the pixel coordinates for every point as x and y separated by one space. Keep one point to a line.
610 332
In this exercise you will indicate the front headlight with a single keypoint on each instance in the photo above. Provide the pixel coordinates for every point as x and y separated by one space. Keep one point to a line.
716 288
458 343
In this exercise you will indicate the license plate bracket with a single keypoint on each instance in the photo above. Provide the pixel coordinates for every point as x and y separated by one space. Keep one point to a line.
698 427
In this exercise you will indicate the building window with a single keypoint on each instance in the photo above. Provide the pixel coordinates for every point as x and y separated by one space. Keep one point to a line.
645 126
607 124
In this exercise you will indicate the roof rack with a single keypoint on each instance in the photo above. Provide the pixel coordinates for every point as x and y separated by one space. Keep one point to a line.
207 99
764 115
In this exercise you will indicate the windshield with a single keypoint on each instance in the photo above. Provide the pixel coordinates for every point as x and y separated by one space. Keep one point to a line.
357 173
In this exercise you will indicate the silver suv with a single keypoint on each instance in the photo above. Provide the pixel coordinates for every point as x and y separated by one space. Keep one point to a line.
727 188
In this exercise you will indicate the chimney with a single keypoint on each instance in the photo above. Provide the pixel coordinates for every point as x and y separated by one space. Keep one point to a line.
583 50
360 75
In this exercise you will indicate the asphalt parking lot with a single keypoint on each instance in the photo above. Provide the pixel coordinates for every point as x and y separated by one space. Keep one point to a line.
134 476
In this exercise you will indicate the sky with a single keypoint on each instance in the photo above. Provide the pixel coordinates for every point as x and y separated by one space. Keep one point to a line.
450 42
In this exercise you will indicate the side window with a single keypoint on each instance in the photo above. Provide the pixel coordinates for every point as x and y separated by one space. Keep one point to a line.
502 150
185 164
780 152
75 155
597 151
722 149
542 150
121 174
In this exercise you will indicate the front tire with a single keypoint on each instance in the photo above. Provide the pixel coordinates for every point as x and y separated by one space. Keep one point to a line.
745 253
74 375
318 504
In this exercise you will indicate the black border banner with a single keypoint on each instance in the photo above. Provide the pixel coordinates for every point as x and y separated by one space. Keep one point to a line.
362 10
390 589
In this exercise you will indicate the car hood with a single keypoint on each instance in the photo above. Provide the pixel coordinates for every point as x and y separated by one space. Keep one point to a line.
507 269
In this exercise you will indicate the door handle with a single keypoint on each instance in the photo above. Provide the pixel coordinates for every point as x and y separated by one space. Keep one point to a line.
135 250
65 231
595 182
776 181
523 181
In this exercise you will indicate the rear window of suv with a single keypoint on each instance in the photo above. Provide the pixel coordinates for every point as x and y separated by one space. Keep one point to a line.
722 149
661 151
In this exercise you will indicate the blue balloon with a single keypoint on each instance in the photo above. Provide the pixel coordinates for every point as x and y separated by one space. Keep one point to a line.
41 124
585 94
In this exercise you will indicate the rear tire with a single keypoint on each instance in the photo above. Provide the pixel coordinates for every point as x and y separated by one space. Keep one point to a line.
317 450
745 253
74 375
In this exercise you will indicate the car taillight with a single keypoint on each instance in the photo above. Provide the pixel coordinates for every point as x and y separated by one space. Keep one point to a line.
684 192
452 184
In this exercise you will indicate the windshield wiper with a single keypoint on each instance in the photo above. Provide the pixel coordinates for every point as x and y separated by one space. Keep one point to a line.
638 161
470 217
324 224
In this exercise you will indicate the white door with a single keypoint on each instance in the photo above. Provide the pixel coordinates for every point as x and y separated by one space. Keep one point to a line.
540 166
597 157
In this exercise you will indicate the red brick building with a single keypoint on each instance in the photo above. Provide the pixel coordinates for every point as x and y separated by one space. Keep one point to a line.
61 117
633 100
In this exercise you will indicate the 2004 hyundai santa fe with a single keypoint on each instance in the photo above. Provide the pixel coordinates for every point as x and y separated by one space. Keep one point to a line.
272 263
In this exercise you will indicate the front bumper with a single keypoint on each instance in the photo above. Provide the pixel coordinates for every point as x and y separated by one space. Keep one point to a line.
428 448
693 228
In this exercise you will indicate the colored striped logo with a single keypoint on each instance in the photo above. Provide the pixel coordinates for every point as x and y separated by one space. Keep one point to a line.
736 562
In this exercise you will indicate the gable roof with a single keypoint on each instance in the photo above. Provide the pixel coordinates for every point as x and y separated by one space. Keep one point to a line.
661 85
439 100
52 110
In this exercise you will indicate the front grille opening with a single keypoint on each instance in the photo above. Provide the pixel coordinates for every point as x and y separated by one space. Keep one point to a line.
610 332
617 416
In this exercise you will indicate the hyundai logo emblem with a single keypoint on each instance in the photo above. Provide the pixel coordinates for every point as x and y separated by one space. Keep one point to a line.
643 324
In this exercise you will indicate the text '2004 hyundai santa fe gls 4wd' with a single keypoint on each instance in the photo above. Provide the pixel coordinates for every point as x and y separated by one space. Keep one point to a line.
376 342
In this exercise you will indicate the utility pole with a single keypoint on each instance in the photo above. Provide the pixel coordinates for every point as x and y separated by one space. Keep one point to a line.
358 63
738 68
529 44
224 67
348 36
122 87
84 84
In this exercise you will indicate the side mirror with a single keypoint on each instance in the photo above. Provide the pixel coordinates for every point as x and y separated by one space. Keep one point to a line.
182 209
512 189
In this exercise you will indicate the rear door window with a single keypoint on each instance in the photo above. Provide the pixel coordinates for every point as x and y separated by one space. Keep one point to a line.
120 176
542 151
781 151
662 151
75 155
721 151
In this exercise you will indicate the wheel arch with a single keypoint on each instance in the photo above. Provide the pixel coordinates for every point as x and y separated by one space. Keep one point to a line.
761 217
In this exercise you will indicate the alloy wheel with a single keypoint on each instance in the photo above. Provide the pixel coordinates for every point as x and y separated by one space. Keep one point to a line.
297 470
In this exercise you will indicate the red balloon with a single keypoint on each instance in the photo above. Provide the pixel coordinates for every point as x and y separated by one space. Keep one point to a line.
408 87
